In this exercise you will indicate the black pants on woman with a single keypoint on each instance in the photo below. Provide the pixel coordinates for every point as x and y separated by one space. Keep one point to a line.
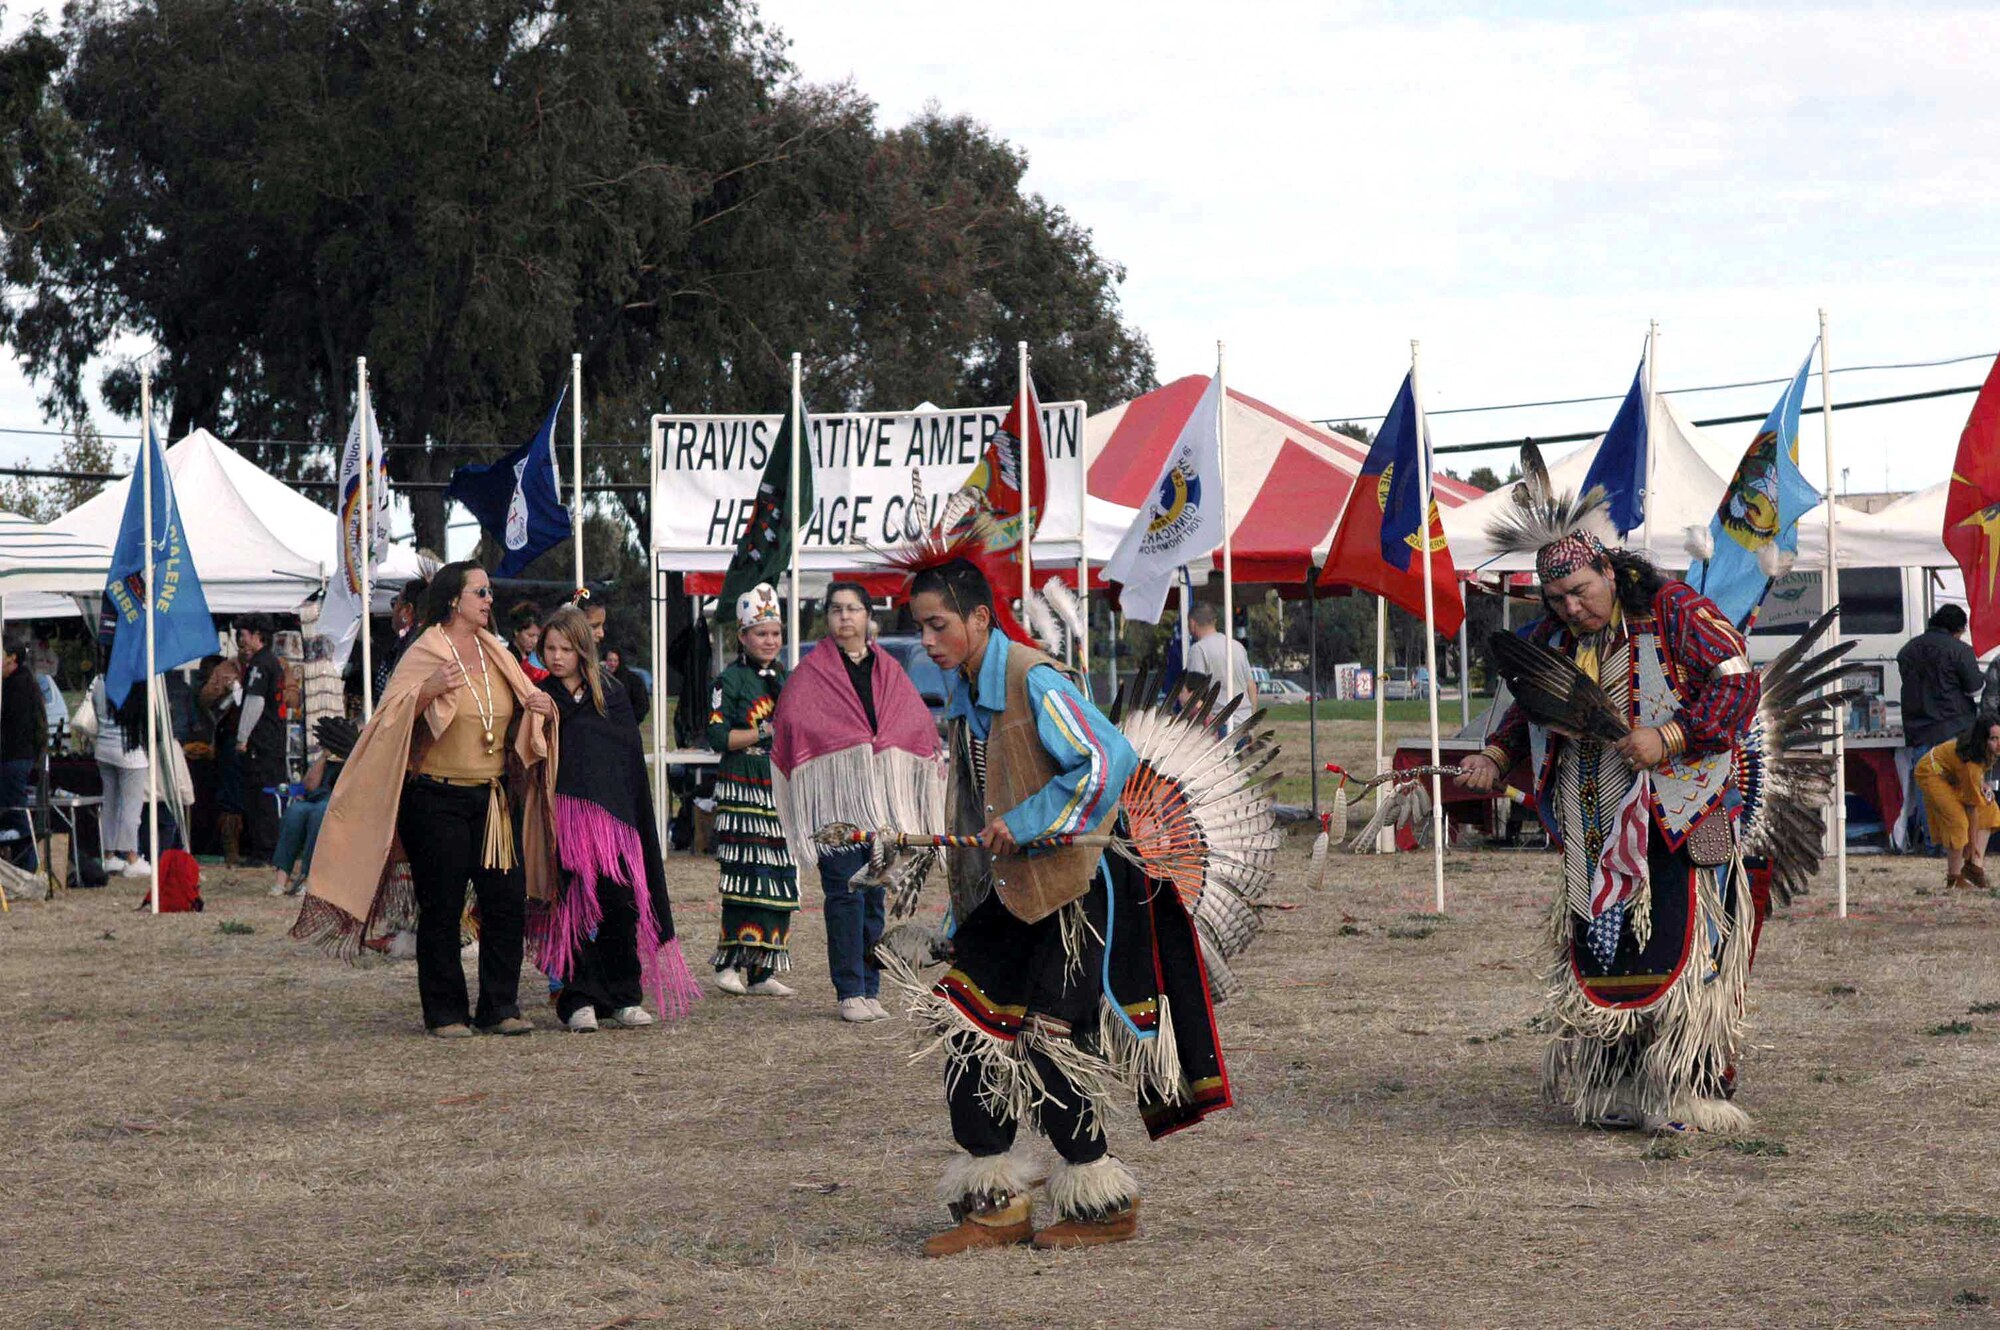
444 829
606 974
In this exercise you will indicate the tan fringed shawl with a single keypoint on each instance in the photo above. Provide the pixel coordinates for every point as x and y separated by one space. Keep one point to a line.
358 846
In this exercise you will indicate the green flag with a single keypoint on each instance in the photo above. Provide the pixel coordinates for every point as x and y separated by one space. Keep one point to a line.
764 554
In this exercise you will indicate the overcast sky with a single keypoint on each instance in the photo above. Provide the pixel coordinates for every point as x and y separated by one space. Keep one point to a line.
1520 186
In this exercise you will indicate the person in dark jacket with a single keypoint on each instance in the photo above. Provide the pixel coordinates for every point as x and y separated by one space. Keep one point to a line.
635 685
24 733
1941 686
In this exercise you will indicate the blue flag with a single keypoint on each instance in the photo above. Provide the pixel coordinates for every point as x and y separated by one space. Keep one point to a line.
1755 533
182 628
1395 454
1620 464
515 498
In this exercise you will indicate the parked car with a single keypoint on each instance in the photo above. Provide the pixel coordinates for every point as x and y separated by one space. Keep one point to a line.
1282 690
1405 684
923 671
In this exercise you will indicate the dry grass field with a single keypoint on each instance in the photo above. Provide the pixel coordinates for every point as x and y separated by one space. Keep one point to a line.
220 1128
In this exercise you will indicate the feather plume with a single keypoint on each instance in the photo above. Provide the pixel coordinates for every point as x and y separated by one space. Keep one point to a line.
1699 543
1554 692
1063 601
1043 622
1776 562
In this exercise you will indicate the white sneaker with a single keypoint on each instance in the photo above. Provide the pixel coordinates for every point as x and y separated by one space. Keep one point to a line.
881 1012
137 868
855 1009
281 887
632 1018
771 988
582 1021
731 981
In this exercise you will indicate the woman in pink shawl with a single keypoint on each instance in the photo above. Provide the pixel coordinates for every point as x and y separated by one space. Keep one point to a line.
852 742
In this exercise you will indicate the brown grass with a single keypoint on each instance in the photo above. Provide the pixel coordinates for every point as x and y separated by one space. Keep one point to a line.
211 1129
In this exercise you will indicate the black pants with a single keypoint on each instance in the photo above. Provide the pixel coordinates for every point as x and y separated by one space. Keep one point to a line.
261 770
980 1132
606 976
443 829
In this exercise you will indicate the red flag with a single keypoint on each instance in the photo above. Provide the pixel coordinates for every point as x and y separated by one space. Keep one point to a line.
1972 513
1356 556
999 471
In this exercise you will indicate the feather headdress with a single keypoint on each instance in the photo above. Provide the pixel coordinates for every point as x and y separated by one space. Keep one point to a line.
1555 526
963 531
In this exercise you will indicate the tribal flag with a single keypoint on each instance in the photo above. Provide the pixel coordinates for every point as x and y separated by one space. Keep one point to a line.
1620 464
182 628
1181 522
1754 536
998 474
341 616
1373 544
517 499
1972 513
764 552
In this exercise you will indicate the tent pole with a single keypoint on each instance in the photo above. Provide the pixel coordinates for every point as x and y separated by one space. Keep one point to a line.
1312 681
1083 555
792 504
576 460
1229 688
659 668
1830 596
1021 398
1465 660
1385 839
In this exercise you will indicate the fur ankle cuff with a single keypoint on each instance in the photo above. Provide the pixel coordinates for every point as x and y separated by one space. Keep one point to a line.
1092 1192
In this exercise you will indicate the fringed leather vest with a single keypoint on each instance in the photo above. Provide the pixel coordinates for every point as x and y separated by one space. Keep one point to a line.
990 778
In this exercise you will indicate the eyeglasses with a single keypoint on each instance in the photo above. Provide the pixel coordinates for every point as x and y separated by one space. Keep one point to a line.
483 592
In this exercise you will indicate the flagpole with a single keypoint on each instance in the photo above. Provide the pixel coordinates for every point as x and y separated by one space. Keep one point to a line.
367 533
1228 562
1430 624
146 585
576 459
656 623
1027 476
792 504
1083 556
1830 582
1385 839
1652 433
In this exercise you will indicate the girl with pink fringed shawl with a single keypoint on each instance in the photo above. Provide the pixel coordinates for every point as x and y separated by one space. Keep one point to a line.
608 937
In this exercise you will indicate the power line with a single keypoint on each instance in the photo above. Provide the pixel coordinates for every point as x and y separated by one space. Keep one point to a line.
1718 420
105 477
1330 421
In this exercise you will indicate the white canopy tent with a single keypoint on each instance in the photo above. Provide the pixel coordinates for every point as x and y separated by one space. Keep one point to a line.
37 558
258 544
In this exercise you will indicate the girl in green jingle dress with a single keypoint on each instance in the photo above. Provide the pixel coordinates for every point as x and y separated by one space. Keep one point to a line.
760 889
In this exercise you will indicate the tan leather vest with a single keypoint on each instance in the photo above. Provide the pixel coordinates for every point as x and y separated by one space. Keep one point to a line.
1031 886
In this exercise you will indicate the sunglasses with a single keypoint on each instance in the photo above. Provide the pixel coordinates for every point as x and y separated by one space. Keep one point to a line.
483 592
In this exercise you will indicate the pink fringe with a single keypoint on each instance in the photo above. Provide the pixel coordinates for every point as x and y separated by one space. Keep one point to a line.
592 844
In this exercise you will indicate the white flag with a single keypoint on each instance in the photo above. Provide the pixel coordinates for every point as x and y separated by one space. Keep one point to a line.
1181 522
340 618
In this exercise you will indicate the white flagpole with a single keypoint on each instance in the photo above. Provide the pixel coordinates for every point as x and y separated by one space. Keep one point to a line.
367 547
1083 557
1652 434
1430 623
792 504
576 459
1228 562
1830 596
1027 479
146 584
653 599
1385 839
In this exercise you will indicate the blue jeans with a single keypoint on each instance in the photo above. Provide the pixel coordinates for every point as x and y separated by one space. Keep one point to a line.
299 831
14 777
854 921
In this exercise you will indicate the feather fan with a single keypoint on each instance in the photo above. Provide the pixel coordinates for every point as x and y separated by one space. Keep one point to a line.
1554 692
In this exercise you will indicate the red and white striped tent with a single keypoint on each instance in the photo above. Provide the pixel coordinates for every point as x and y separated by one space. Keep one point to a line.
1288 478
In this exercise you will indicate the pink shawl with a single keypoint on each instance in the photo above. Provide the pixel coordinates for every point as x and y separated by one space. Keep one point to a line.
821 713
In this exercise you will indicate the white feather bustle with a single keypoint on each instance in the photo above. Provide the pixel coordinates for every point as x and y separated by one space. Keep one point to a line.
1092 1191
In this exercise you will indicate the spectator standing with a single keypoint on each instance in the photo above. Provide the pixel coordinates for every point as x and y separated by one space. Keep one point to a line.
1222 658
121 765
1961 809
260 734
403 618
636 687
24 731
1941 684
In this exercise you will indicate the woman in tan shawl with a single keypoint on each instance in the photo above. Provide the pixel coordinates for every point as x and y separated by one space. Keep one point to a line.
441 794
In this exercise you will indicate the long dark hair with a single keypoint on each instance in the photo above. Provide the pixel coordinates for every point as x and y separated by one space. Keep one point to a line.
446 586
1972 744
1638 581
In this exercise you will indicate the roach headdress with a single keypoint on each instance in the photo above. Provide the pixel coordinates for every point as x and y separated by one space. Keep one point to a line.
960 535
1554 526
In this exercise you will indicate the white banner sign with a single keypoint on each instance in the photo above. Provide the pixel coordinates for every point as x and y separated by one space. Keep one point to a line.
862 468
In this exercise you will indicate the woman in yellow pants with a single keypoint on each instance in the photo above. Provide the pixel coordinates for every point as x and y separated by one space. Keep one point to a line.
1960 807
